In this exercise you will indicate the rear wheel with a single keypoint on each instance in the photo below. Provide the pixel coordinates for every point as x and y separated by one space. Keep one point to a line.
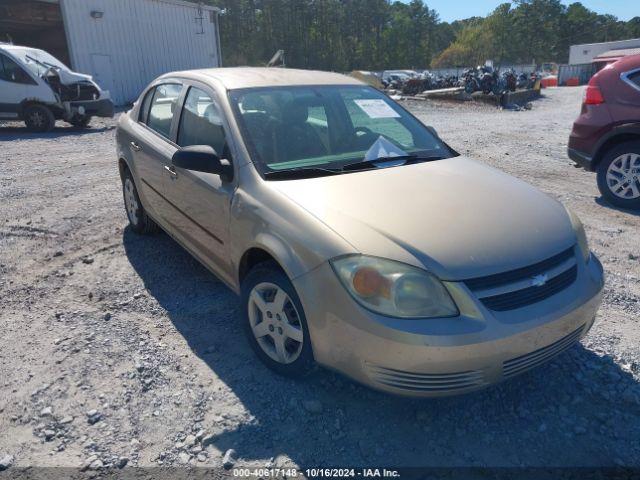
274 321
139 221
619 175
39 118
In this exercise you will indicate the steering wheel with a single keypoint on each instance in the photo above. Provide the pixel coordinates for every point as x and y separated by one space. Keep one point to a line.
349 140
360 131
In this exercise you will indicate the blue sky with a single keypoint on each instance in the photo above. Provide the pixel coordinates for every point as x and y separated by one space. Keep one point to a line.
450 10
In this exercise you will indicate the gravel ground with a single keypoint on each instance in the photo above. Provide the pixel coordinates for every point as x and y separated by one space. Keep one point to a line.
118 349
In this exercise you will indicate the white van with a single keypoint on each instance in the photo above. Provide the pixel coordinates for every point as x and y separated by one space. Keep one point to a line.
39 89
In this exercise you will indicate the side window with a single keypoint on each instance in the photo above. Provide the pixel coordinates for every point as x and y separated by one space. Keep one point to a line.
10 71
635 78
146 103
317 115
162 108
201 123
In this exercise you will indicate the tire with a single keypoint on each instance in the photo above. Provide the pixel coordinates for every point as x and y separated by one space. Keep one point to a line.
139 221
264 283
80 121
620 166
38 118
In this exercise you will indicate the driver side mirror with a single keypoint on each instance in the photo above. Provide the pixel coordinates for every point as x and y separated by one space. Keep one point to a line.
203 158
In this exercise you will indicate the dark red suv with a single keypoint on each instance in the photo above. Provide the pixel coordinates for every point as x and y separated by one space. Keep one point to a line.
606 136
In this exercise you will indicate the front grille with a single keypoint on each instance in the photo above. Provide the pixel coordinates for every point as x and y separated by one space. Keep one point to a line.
530 295
516 289
425 382
526 362
511 276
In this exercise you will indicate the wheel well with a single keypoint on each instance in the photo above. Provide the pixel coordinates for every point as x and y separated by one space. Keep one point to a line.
251 258
610 143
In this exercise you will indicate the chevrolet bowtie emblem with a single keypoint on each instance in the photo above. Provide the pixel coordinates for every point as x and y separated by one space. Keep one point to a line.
539 280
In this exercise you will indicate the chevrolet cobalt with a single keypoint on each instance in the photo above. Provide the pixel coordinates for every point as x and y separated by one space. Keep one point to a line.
356 238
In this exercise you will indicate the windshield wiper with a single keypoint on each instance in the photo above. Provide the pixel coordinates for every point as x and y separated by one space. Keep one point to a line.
406 159
41 62
294 173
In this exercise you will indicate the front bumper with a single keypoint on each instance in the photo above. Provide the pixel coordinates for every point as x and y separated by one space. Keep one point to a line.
438 357
93 108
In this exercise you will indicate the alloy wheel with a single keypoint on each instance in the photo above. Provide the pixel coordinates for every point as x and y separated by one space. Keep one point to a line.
37 119
623 176
275 323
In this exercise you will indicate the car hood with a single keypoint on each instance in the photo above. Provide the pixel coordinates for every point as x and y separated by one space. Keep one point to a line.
456 217
67 77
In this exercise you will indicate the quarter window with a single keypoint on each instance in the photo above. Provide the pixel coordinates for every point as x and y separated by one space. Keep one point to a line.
10 71
635 78
163 105
201 123
146 103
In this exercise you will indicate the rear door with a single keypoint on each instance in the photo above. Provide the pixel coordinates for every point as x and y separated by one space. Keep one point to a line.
152 147
202 201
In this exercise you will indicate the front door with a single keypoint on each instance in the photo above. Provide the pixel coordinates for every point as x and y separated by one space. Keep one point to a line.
202 201
14 86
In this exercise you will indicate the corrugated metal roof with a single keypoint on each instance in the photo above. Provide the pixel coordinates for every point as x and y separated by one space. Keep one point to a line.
623 52
185 3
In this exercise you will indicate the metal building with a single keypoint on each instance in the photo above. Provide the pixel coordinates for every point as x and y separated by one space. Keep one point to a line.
123 44
585 53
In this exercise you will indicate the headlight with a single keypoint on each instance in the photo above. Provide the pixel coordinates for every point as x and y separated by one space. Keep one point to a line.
393 288
581 236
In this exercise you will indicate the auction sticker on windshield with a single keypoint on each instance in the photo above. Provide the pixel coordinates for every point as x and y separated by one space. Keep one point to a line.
376 108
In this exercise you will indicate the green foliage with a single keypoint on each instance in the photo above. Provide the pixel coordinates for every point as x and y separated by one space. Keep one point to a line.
343 35
533 31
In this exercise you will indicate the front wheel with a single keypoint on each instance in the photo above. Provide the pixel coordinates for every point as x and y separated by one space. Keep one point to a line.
619 176
274 321
38 118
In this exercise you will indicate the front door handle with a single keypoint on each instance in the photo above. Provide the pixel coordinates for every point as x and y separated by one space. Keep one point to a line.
135 146
172 171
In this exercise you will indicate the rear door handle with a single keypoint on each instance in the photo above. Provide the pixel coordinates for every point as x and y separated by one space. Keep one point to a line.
135 146
172 171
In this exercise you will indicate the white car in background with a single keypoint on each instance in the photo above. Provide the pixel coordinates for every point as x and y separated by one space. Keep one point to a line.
39 89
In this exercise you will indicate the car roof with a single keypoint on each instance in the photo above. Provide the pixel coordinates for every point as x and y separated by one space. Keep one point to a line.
10 46
629 62
254 77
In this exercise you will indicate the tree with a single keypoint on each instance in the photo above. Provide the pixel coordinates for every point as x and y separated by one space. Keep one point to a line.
383 34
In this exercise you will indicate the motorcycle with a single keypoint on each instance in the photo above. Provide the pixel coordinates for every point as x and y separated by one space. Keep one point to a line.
510 80
469 81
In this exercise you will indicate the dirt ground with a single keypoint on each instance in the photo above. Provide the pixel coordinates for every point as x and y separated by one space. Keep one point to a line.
118 349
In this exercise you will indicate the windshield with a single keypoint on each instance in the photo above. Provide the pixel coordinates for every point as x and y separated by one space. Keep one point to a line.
38 61
328 127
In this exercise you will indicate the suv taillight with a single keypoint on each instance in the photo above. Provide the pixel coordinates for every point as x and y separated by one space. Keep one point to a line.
593 94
